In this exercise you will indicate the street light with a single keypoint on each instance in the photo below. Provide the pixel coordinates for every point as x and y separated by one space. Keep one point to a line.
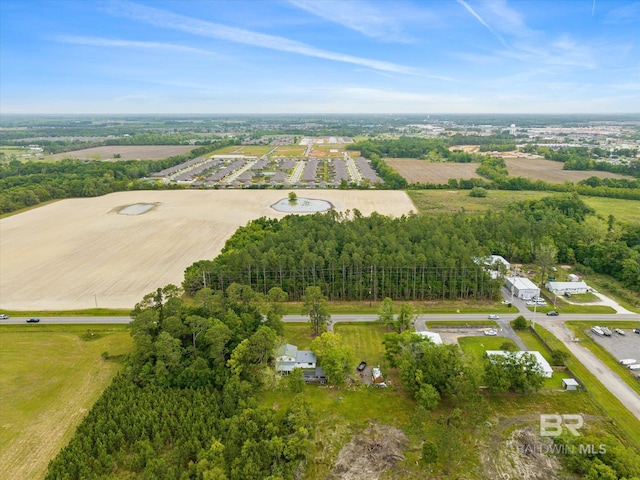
95 298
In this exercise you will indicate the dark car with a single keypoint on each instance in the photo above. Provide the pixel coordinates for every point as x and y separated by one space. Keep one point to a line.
33 320
362 366
636 330
552 313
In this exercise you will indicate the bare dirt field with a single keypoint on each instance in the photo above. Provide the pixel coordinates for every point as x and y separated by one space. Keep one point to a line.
421 171
127 152
75 253
550 171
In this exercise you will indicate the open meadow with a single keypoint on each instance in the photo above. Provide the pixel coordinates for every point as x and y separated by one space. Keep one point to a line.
126 152
49 379
80 253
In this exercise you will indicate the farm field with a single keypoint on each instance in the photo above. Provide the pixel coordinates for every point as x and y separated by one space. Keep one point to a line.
550 171
80 253
290 150
127 152
49 380
421 171
257 150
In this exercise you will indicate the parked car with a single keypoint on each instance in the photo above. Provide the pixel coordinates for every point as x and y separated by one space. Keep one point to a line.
33 320
567 294
362 366
3 316
506 302
493 317
490 333
552 313
619 331
636 330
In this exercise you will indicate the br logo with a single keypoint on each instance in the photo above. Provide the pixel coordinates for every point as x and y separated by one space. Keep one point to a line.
552 425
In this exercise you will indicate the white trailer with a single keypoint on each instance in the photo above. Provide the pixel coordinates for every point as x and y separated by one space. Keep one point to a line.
628 361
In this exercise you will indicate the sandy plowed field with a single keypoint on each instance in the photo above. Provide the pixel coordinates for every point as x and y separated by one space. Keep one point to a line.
550 171
68 254
421 171
127 152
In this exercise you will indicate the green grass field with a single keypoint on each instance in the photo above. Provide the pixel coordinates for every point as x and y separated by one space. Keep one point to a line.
444 201
476 347
623 210
49 379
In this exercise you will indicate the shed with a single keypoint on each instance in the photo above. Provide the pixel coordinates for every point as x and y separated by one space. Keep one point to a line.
572 277
433 336
521 287
546 369
570 384
560 288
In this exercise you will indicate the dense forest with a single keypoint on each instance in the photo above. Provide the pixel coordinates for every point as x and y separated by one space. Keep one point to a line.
427 257
183 408
24 184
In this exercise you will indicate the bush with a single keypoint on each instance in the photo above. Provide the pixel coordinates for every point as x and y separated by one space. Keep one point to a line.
558 357
478 192
520 323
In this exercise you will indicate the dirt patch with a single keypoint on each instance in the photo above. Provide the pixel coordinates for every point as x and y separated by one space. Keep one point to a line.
524 455
421 171
371 453
550 171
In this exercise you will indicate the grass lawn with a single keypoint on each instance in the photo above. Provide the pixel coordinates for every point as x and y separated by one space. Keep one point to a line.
476 347
373 308
366 340
49 379
299 334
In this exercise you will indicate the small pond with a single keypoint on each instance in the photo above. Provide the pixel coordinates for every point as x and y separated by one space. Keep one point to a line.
302 205
136 209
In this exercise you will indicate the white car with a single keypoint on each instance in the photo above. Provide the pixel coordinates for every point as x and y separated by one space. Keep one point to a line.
3 316
490 333
493 317
618 331
506 302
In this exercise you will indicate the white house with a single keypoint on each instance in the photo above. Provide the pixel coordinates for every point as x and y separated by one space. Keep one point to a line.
560 288
289 357
521 287
546 369
433 336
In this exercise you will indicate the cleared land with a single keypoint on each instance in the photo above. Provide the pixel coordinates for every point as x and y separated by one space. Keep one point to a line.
75 253
49 379
550 171
127 152
421 171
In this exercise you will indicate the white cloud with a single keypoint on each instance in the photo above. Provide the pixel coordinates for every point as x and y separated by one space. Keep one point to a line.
169 20
363 17
108 42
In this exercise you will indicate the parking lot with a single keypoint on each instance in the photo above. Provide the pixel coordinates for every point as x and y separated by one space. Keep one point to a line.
627 346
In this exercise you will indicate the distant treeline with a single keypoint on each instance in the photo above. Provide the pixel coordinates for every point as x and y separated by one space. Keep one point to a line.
24 184
352 257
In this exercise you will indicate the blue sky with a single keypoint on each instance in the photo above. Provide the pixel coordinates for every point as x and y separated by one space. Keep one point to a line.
319 56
